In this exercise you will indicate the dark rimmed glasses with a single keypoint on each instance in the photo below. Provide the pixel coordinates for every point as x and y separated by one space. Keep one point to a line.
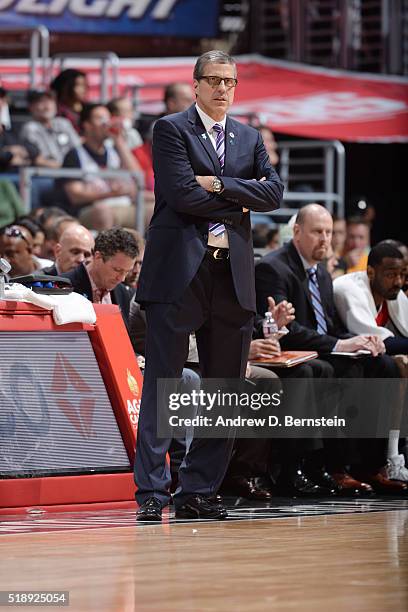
214 81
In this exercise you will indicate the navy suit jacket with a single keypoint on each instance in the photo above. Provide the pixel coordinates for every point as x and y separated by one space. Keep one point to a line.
177 237
281 275
120 295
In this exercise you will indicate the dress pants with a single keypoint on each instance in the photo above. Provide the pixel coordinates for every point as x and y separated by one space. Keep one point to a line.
366 453
223 329
252 457
178 447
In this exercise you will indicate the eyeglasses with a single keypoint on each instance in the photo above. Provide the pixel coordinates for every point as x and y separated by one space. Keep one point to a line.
15 232
214 81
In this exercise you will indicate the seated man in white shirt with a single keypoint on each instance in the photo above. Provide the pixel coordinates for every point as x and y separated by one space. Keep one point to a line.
372 302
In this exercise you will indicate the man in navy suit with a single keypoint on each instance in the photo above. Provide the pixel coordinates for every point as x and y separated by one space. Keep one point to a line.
198 274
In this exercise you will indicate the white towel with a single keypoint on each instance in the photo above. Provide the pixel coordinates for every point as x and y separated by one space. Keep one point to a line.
20 293
71 308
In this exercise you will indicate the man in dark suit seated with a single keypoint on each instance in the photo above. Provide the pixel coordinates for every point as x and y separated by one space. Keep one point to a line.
253 467
299 474
101 281
295 273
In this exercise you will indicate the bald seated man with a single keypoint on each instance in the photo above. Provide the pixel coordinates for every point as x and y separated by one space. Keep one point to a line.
74 247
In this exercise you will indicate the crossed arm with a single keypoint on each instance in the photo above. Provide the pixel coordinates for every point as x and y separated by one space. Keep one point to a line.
188 193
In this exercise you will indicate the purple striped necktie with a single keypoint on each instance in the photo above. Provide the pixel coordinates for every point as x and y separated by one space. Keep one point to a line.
316 301
219 228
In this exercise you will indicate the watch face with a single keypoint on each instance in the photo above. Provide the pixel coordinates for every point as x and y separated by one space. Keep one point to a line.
217 185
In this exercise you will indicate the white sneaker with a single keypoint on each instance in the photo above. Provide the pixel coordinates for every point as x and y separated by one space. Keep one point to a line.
396 469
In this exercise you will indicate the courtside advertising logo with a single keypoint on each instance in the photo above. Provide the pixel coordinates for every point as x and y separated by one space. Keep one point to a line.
81 412
133 405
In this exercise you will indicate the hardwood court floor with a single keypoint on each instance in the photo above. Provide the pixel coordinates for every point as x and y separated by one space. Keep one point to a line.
355 562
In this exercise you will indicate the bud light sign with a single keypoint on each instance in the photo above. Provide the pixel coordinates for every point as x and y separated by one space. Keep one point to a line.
192 18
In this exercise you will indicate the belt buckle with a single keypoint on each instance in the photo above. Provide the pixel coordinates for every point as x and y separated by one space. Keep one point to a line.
217 254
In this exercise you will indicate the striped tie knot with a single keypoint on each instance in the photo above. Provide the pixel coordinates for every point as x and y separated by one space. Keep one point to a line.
312 274
220 144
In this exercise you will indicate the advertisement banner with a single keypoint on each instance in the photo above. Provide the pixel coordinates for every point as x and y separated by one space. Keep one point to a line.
295 99
192 18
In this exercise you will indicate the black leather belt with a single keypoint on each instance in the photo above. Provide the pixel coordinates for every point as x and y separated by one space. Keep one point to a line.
217 253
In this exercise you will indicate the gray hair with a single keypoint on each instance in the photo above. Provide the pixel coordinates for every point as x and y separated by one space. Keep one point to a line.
211 57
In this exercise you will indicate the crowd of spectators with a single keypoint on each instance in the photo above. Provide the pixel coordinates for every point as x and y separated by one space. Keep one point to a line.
86 232
64 131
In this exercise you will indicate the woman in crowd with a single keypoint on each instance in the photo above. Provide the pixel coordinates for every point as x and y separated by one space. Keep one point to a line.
71 89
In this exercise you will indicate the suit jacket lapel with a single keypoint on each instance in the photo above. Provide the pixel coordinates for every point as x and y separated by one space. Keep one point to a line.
297 266
85 282
232 143
114 296
203 137
305 285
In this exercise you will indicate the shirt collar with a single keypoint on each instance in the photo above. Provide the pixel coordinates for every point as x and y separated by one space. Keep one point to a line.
208 121
306 264
98 294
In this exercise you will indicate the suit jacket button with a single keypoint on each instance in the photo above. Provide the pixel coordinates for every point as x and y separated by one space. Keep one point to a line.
205 236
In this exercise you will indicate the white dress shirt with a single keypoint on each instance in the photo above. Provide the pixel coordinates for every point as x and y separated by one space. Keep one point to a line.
220 241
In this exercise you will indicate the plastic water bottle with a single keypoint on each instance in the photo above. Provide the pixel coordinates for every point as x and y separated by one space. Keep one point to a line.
269 326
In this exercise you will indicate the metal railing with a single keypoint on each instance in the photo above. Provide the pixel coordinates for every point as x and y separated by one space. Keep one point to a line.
109 70
320 170
322 167
281 214
365 35
27 175
39 45
155 103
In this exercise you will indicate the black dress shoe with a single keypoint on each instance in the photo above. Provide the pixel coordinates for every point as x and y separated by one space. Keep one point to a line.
248 488
298 485
216 500
323 479
200 507
150 510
